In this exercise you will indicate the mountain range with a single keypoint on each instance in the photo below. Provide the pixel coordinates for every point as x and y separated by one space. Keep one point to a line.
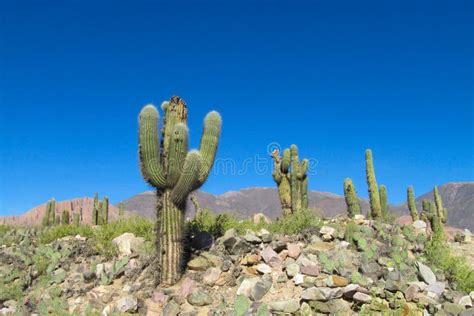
458 198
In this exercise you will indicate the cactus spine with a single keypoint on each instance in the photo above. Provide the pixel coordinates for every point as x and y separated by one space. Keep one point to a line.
95 210
291 178
411 204
175 172
383 201
352 201
375 206
442 212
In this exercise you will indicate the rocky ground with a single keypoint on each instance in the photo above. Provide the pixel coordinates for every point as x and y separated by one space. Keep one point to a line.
338 269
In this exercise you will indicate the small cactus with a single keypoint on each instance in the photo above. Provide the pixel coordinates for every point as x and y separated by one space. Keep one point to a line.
375 206
352 201
175 172
442 212
121 208
104 211
76 219
95 210
411 204
383 202
65 217
290 175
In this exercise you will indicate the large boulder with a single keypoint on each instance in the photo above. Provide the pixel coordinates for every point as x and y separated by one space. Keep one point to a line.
128 243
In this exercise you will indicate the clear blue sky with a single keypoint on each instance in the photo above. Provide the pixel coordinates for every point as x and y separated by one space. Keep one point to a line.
334 77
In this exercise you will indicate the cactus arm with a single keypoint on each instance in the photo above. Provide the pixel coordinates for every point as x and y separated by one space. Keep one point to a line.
176 112
209 142
286 161
149 150
189 179
295 192
383 201
178 149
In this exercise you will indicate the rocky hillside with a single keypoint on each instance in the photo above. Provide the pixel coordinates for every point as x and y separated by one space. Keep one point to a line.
457 197
365 270
35 215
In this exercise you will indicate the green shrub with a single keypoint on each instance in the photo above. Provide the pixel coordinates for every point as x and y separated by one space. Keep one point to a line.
296 222
456 269
53 233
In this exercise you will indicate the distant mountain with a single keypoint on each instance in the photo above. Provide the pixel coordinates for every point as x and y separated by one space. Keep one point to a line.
35 215
244 203
458 197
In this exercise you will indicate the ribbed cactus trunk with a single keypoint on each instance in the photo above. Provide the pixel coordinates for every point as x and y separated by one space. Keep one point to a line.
291 178
65 217
383 201
170 244
76 219
104 211
411 204
95 210
175 172
442 212
352 201
375 207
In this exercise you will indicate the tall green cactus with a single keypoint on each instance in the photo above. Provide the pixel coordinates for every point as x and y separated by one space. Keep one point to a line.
383 201
76 219
65 217
375 206
291 178
411 204
95 210
352 201
121 208
175 172
104 211
430 213
442 212
49 213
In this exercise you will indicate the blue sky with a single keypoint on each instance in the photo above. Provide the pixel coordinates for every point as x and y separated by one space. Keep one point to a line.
334 77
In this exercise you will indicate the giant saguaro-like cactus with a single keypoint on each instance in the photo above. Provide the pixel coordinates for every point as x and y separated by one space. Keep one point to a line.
291 178
352 201
411 204
442 212
374 196
168 165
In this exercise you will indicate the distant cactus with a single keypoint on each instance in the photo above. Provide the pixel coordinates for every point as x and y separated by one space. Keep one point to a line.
375 206
175 172
352 201
65 217
121 208
442 212
384 202
95 210
411 204
104 211
291 178
431 214
49 214
197 206
58 220
76 219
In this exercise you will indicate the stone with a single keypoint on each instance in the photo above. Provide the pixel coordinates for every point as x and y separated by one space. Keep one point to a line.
187 287
349 290
321 294
426 273
199 298
453 309
265 235
202 241
226 265
211 276
261 288
298 279
246 286
270 257
305 310
411 292
285 306
59 275
171 309
127 243
419 224
326 230
127 304
283 254
312 270
233 243
465 301
263 268
250 260
294 250
318 246
89 276
362 297
336 281
198 264
251 237
292 269
436 288
260 218
332 307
